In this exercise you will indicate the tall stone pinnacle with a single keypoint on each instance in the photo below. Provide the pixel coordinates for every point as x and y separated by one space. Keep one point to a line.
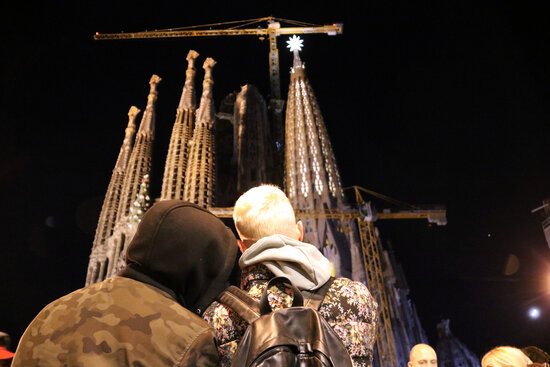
205 113
182 132
139 164
199 177
251 139
312 180
107 217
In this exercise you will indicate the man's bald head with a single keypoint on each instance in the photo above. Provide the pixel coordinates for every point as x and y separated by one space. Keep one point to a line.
422 355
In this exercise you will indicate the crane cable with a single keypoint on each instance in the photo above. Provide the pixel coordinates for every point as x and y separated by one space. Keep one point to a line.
360 200
240 24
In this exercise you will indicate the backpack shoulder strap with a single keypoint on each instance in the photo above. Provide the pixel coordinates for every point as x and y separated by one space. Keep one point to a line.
313 299
240 302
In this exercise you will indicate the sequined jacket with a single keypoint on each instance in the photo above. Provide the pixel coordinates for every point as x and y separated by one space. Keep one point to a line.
348 307
114 323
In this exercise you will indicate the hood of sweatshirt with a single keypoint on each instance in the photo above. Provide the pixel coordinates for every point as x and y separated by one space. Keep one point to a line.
184 250
302 263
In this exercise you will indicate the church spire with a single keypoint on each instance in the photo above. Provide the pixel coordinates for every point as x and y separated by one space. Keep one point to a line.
178 151
251 139
451 351
106 222
139 164
199 178
311 176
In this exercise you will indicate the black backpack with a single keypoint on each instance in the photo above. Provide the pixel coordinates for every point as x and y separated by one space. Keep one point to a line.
295 336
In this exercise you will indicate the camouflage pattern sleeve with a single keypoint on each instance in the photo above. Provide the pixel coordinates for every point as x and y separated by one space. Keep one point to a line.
202 352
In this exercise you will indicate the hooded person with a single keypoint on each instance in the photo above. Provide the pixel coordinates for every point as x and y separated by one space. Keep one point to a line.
149 314
271 245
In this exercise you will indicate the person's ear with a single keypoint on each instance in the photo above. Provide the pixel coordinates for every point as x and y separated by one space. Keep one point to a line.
300 229
242 245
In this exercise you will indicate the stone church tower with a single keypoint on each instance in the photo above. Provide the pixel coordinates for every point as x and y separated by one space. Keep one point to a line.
312 180
107 217
178 152
139 164
252 151
199 176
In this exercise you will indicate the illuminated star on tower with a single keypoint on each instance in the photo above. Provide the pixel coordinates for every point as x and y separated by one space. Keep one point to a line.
295 43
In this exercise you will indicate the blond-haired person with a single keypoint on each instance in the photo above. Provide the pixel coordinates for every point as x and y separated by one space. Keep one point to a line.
271 243
506 356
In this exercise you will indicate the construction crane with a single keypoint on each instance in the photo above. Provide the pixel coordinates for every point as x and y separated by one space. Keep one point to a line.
365 211
248 27
365 216
371 250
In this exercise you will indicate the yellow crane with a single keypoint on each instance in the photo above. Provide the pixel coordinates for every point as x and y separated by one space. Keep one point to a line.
248 27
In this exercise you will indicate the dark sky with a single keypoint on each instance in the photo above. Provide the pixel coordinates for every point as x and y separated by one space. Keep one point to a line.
428 103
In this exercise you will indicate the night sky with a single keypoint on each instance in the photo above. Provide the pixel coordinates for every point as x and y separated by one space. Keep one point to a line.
428 103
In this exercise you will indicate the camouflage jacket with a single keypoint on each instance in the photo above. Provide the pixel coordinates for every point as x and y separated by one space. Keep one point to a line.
114 323
348 307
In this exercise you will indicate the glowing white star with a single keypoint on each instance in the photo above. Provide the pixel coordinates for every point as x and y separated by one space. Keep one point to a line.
295 43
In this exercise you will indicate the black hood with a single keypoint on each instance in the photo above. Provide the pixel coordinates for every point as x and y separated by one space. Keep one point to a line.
183 249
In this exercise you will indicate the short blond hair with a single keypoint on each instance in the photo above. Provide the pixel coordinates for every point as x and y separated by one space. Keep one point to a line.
264 211
505 356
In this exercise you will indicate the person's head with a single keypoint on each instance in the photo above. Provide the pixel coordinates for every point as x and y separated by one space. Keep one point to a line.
422 355
536 354
264 211
505 356
185 249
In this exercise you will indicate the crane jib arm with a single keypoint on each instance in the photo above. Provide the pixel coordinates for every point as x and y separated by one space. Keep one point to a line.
328 29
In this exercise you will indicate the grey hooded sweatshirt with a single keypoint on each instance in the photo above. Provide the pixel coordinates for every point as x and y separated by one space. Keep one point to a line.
302 263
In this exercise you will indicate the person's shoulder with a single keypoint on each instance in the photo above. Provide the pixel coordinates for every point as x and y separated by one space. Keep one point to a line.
356 292
144 299
349 286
